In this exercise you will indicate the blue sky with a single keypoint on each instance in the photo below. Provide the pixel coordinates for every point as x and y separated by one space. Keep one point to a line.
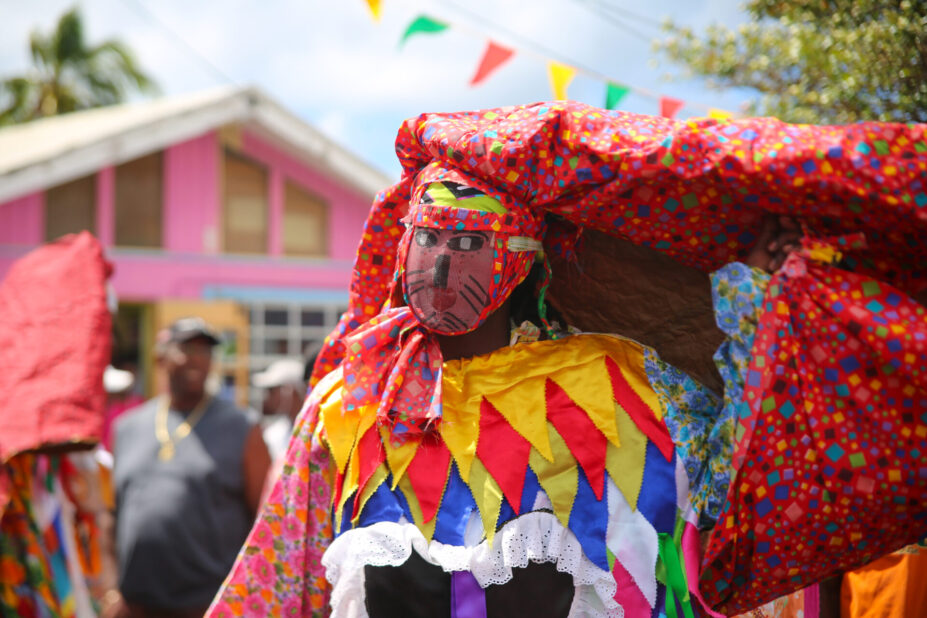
336 68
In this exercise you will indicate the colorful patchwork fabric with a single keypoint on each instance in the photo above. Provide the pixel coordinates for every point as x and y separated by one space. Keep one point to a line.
543 453
34 578
688 409
49 536
279 569
830 439
27 579
694 189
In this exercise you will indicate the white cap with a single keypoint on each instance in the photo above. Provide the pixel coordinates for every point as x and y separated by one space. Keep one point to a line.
116 380
286 371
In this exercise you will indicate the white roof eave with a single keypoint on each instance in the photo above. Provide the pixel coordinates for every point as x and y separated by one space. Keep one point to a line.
60 162
317 148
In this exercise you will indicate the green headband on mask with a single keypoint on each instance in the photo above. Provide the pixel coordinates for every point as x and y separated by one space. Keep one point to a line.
455 195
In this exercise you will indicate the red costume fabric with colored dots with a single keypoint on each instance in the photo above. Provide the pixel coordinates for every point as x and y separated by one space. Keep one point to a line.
830 445
831 437
695 190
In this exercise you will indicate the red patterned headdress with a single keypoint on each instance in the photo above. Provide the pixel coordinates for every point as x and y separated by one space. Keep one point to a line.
695 190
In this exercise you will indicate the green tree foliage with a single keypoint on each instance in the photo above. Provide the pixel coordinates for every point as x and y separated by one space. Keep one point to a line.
68 75
820 61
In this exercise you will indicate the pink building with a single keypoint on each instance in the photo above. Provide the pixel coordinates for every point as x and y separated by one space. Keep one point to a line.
221 204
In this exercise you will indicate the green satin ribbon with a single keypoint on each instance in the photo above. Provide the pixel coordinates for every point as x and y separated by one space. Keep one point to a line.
672 574
473 200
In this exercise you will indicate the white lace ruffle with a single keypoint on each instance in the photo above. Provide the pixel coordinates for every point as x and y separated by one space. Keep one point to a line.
537 537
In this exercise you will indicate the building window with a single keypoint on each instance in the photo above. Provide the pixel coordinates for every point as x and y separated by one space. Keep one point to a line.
286 330
305 223
138 202
71 208
245 217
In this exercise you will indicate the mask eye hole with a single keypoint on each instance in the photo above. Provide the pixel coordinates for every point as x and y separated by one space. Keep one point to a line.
426 238
466 242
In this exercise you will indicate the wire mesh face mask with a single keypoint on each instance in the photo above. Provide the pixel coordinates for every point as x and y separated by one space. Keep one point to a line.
463 257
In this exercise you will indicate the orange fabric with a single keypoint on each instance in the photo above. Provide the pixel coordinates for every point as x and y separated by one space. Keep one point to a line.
894 586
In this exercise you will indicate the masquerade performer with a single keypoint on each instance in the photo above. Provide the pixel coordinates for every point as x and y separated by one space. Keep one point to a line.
54 489
570 475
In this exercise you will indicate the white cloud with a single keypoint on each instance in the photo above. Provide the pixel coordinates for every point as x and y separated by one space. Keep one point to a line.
334 124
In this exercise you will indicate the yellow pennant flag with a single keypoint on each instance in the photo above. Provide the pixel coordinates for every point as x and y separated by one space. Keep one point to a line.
560 78
374 9
488 497
719 114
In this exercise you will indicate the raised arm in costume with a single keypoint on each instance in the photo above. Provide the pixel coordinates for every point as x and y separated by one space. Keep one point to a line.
579 453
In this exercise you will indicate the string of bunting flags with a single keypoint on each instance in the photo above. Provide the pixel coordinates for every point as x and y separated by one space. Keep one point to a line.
560 75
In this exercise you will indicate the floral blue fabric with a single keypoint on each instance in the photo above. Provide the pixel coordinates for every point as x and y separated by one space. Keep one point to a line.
701 423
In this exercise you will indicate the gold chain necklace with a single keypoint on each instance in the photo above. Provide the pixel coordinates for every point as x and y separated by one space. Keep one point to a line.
169 442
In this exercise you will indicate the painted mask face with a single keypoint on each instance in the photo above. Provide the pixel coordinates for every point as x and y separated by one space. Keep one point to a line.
448 277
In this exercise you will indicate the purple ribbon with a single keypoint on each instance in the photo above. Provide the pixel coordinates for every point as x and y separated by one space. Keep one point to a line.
468 600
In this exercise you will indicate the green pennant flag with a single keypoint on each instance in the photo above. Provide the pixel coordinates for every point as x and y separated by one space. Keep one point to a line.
614 94
422 24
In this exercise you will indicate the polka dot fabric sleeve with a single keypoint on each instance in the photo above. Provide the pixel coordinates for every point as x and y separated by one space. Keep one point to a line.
830 438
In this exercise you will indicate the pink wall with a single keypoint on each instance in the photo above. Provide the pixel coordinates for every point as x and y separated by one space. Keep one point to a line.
147 276
189 262
106 206
348 210
275 203
192 201
22 221
150 277
192 195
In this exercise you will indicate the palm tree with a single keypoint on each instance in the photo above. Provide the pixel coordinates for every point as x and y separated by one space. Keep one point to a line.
68 75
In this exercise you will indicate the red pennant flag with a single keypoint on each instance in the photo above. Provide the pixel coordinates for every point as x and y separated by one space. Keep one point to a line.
428 475
632 599
371 455
338 489
669 106
586 443
494 56
507 464
639 412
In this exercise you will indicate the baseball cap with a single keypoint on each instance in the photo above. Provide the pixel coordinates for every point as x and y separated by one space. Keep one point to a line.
186 329
280 372
116 380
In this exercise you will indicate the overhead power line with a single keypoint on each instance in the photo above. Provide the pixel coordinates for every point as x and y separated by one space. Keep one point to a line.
148 16
526 45
603 11
523 43
602 5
